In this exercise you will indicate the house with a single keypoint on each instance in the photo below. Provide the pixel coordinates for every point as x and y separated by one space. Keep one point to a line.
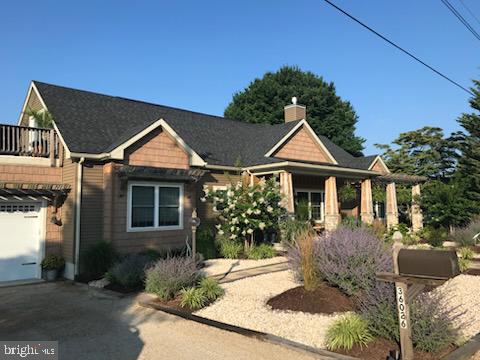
131 172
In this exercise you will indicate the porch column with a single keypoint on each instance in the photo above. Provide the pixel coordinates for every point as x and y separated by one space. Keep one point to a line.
366 202
286 188
332 215
417 216
392 208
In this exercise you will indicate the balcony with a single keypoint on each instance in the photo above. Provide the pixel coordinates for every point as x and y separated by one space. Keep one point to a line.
30 142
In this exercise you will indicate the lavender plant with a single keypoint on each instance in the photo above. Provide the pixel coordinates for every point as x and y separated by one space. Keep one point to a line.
168 276
130 271
350 258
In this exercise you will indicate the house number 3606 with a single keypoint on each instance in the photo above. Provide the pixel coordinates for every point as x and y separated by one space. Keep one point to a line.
402 313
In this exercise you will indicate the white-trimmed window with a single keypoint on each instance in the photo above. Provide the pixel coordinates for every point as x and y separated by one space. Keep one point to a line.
154 206
315 200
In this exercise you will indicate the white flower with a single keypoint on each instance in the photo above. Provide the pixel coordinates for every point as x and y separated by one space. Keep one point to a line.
244 232
251 194
218 226
238 186
215 208
220 200
232 228
203 199
233 236
261 200
269 209
246 221
257 212
231 206
249 231
254 203
229 193
243 215
249 211
235 220
261 225
220 232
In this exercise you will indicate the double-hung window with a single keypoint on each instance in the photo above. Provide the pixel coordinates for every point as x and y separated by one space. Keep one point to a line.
155 206
314 200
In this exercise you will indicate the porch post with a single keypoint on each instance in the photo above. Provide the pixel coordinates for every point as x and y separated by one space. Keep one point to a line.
332 215
286 188
392 207
417 216
366 202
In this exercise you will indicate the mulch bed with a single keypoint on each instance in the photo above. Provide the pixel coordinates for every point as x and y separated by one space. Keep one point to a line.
380 348
473 272
173 304
323 300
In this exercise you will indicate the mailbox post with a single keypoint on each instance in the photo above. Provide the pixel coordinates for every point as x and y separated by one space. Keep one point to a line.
194 222
413 269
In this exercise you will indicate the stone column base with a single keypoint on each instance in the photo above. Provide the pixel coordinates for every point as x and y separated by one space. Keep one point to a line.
332 222
392 220
417 222
367 218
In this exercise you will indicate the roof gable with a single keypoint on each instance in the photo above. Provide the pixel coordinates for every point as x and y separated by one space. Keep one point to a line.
301 145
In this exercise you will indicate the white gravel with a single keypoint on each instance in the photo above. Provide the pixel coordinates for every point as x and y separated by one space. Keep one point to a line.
244 304
221 266
461 297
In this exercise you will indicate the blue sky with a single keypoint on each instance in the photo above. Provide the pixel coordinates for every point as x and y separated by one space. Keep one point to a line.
196 54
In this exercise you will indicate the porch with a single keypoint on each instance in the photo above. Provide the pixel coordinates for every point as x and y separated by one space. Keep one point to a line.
30 142
317 192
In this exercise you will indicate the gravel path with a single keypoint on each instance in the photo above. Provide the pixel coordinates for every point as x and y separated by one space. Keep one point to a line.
461 296
244 304
221 266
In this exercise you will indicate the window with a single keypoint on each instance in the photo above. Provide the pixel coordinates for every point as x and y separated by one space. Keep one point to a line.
315 201
155 206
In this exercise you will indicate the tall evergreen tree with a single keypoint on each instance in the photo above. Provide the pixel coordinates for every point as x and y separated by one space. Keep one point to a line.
263 101
423 152
469 140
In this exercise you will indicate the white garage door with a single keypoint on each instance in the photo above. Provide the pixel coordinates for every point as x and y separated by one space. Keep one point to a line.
20 231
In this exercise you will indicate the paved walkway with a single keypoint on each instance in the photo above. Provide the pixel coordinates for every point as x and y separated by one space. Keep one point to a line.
91 327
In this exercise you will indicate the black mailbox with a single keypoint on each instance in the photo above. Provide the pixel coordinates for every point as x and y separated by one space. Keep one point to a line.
435 264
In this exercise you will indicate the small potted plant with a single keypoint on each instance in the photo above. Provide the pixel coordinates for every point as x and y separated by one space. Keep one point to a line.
51 264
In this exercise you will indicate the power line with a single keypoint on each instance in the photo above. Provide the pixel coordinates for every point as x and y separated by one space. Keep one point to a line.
470 11
460 18
399 48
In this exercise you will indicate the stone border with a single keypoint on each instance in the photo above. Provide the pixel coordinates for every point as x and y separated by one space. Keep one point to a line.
321 354
466 351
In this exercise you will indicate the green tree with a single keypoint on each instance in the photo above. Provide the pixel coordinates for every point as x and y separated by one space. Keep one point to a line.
43 117
469 144
423 152
264 99
445 205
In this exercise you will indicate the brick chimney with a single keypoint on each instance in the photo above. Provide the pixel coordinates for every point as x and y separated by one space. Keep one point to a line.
294 111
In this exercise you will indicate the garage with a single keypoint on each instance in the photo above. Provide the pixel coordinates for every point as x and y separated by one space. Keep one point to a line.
21 240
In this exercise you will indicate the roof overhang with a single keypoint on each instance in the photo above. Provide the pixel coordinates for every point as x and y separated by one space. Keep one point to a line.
150 173
318 169
380 160
307 126
29 191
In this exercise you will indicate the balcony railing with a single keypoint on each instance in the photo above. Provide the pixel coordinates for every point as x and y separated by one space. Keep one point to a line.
32 142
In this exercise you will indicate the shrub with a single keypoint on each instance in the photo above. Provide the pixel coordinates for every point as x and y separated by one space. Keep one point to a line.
206 242
230 249
351 222
98 258
435 236
379 228
168 276
302 212
290 228
210 288
350 258
466 253
130 271
407 237
301 256
53 262
465 236
262 251
431 326
152 254
463 264
347 331
193 298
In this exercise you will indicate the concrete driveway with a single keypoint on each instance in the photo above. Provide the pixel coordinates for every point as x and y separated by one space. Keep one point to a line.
90 326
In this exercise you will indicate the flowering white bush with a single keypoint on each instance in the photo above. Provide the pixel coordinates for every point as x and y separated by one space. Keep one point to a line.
245 208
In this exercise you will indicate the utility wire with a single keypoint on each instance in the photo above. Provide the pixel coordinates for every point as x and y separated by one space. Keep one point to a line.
460 18
470 11
399 48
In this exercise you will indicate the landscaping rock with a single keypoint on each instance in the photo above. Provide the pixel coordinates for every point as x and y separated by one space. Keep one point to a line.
99 283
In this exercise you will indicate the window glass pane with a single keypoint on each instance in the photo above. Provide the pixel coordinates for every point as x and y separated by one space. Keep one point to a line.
316 198
301 197
168 216
142 206
142 195
169 196
316 213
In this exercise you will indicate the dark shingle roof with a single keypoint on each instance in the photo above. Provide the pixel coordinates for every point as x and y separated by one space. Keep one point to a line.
95 123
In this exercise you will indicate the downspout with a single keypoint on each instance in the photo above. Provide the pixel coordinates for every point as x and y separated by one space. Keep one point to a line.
78 207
